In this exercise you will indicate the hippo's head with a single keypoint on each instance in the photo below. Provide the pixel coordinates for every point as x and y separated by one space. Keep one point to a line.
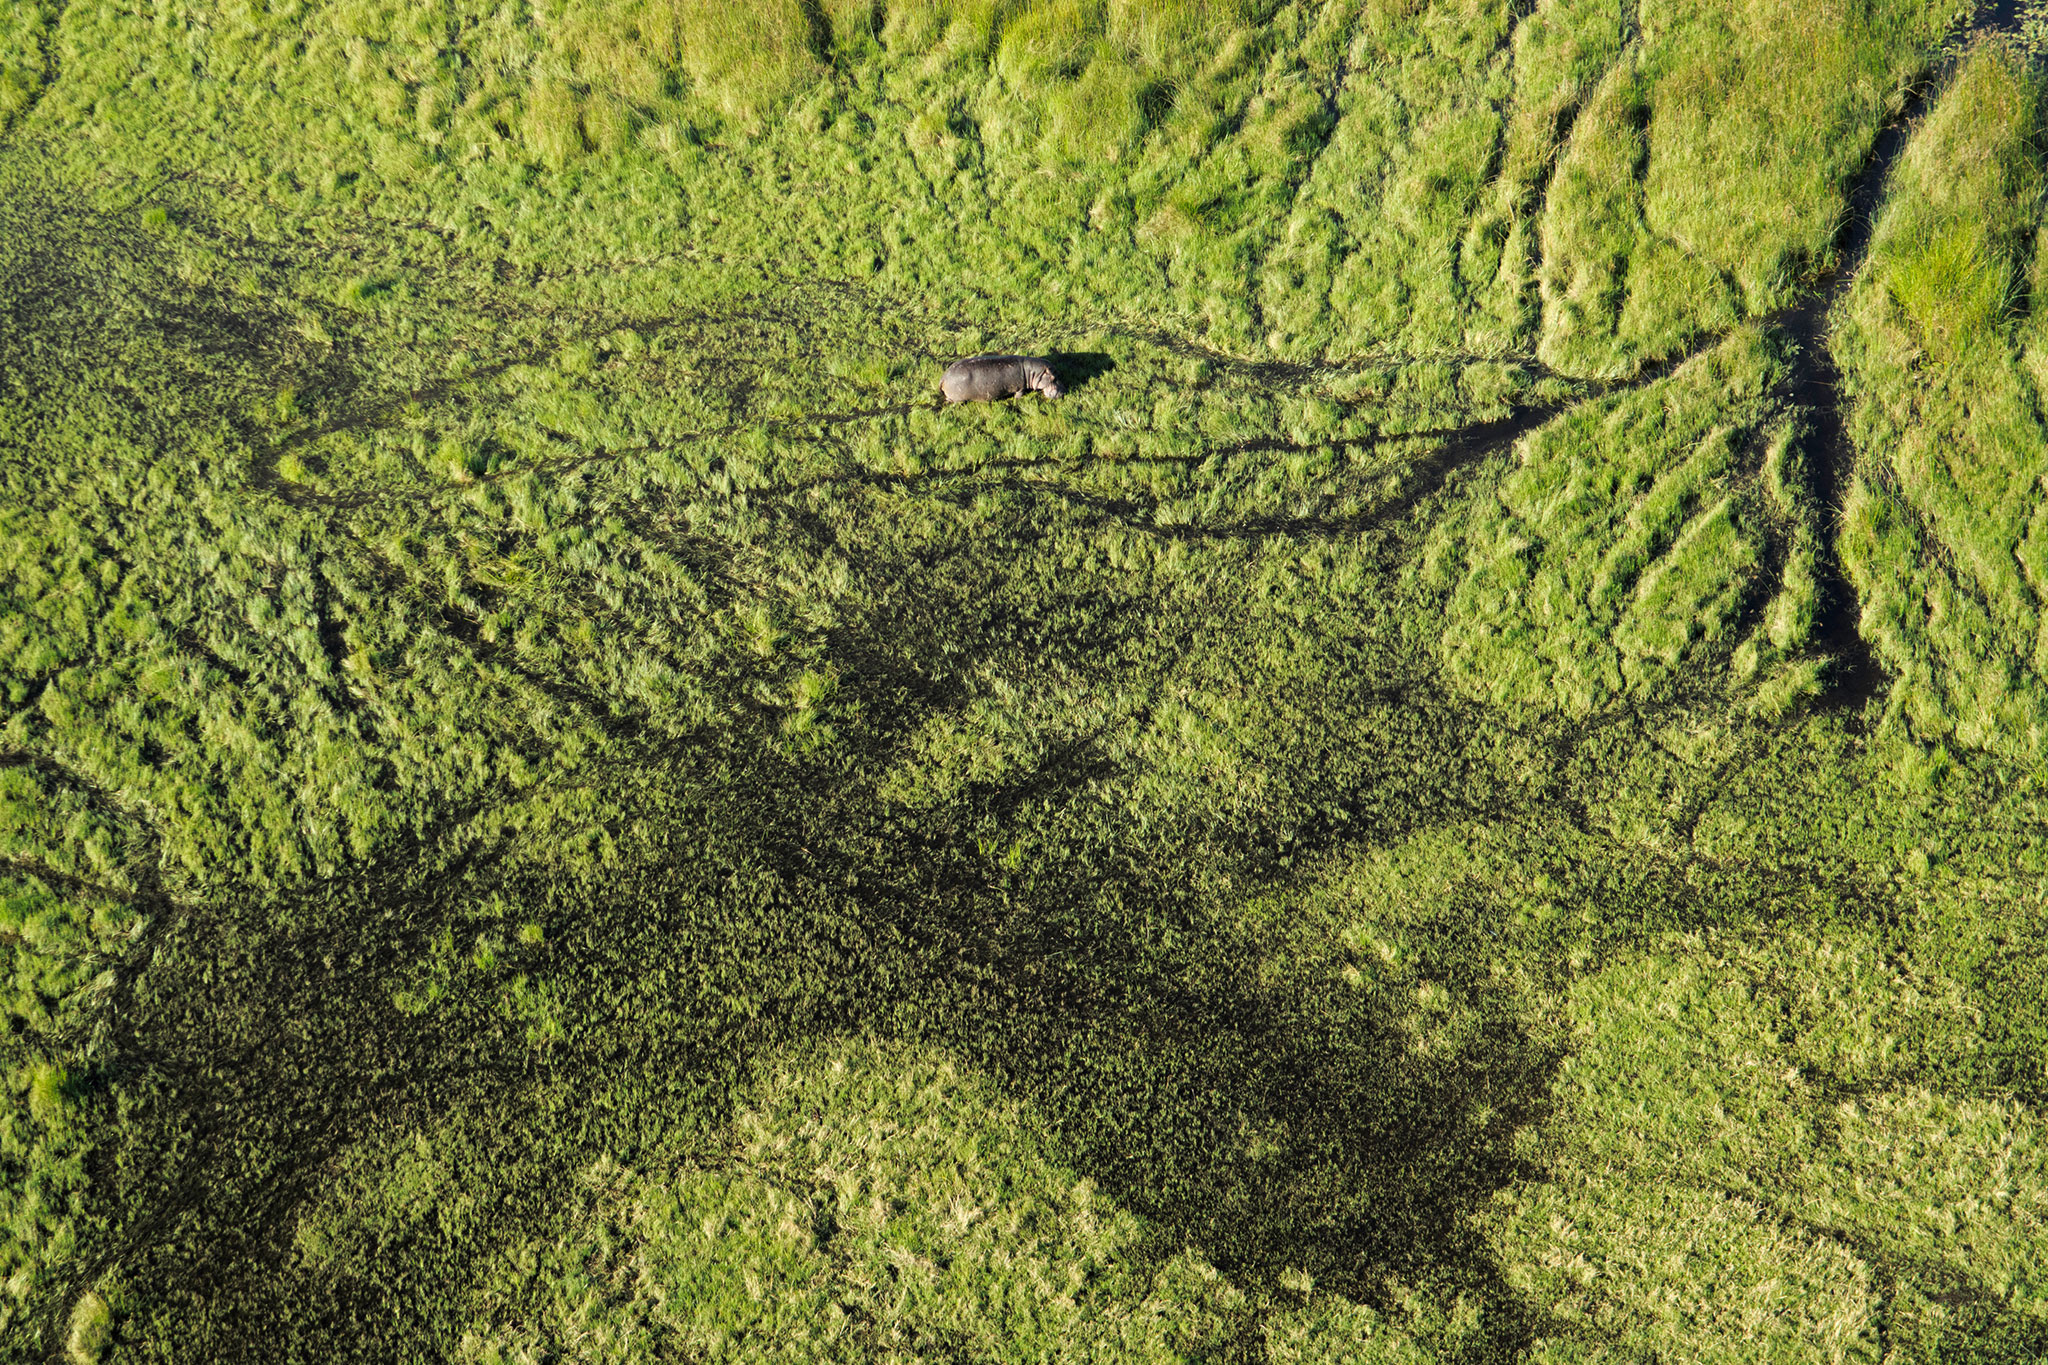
1046 382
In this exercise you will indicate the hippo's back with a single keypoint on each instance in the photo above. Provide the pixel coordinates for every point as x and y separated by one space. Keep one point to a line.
983 378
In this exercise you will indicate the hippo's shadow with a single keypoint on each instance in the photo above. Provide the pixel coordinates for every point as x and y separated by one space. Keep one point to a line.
1078 368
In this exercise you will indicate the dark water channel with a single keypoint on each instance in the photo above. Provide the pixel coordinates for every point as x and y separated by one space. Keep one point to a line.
1816 382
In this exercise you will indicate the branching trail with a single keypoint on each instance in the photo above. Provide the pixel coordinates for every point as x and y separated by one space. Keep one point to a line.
1815 385
52 67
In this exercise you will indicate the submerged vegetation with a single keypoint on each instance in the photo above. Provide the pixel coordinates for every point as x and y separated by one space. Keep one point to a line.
1471 793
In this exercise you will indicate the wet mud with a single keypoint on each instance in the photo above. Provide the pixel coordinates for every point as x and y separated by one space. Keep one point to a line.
1815 387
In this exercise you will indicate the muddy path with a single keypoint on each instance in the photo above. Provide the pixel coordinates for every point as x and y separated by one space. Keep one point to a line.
1815 385
1815 388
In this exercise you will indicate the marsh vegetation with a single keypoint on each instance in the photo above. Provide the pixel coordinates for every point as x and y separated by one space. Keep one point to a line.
1471 792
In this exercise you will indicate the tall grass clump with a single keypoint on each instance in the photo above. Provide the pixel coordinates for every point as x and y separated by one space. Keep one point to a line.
92 1329
1753 155
1384 134
951 30
1615 292
1613 557
1561 52
1955 287
740 61
854 27
743 59
1104 71
1948 246
24 38
1705 176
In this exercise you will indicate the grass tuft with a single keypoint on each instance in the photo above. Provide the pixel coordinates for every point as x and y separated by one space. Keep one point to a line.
91 1330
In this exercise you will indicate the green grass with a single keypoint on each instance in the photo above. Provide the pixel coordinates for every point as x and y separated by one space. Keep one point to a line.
1704 176
1937 521
1618 553
858 1203
556 805
1683 1077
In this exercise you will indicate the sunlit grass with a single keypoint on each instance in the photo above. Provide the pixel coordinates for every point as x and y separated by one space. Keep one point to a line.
549 778
1617 547
1941 528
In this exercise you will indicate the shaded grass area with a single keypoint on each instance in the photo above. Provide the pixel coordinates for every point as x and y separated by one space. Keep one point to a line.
1442 949
560 807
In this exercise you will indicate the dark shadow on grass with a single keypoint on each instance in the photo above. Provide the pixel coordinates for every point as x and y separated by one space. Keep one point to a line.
1997 16
1243 1101
1278 1123
1078 369
1188 1057
1272 1126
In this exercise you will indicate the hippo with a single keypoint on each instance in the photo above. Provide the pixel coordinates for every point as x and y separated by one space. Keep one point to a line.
986 377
